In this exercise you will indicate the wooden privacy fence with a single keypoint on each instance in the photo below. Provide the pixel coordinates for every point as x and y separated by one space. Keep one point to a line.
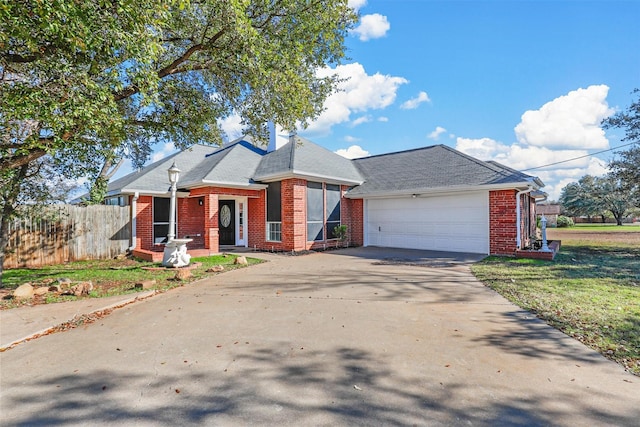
68 233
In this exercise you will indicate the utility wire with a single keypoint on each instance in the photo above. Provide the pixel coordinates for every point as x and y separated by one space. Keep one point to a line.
577 158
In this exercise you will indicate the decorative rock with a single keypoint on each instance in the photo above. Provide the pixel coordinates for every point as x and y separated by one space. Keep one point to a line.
55 288
216 269
241 260
23 291
42 290
183 274
82 289
145 284
64 281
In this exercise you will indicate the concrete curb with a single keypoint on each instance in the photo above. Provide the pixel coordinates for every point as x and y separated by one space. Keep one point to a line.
51 329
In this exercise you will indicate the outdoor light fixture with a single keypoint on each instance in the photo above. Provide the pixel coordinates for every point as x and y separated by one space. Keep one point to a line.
174 175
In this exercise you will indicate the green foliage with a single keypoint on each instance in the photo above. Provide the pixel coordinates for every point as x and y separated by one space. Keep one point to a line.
98 80
564 221
626 167
341 232
596 196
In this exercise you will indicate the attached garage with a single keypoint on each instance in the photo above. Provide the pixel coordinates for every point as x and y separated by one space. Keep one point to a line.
455 222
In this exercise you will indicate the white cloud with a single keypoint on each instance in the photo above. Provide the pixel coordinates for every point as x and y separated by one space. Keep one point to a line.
383 119
359 92
360 120
439 130
562 129
232 127
166 150
351 139
521 157
569 121
372 26
353 152
413 103
357 4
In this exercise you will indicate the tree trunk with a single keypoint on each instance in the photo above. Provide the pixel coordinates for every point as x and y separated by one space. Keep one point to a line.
9 196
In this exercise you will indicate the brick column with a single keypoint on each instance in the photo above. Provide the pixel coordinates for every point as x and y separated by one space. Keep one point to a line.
502 222
294 214
211 240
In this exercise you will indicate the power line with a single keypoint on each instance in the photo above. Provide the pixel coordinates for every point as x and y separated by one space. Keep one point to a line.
577 158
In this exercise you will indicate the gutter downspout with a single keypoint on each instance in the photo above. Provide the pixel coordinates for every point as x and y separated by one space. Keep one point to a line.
134 216
518 233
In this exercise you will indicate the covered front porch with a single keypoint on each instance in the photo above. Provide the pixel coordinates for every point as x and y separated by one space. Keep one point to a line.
211 217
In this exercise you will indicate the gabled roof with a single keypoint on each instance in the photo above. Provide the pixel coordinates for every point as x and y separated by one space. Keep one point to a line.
302 158
432 169
232 165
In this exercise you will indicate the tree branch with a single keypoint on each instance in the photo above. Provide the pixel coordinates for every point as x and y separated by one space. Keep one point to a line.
12 162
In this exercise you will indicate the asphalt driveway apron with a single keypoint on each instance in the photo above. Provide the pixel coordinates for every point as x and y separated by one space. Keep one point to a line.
353 337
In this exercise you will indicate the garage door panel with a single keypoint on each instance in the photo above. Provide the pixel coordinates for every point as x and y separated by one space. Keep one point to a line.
448 223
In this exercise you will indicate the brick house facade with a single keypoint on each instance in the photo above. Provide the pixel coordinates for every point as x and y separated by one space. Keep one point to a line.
316 190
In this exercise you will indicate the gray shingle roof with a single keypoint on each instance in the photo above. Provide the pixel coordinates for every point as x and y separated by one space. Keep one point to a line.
301 157
430 168
231 165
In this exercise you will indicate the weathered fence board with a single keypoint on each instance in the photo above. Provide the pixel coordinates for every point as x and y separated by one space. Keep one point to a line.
68 233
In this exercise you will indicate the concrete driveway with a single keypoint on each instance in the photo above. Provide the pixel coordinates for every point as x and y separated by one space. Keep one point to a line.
352 337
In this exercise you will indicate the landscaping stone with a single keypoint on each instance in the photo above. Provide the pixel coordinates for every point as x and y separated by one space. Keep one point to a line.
216 269
145 284
55 288
183 274
64 281
42 290
79 289
241 260
24 291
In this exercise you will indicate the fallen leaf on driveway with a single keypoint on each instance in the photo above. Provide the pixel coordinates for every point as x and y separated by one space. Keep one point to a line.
357 388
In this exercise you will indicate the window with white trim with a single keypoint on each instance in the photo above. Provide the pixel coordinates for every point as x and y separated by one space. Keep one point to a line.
161 207
274 212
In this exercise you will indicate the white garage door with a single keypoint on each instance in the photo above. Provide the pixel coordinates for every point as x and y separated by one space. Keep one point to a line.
457 223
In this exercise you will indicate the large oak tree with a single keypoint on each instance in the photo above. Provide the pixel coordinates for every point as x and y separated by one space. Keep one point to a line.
88 83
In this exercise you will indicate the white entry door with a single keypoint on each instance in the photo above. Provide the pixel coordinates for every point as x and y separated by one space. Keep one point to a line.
454 223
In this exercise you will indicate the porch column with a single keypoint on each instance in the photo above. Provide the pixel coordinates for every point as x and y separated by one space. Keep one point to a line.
211 239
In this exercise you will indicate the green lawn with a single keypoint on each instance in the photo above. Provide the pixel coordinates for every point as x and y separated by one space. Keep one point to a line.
590 292
109 277
625 228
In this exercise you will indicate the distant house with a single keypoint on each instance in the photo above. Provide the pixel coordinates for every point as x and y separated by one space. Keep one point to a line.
550 211
291 198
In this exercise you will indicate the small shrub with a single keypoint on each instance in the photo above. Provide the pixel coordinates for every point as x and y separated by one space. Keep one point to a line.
564 221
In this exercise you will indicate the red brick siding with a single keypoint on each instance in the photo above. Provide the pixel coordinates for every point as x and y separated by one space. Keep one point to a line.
256 220
502 222
144 223
352 215
191 221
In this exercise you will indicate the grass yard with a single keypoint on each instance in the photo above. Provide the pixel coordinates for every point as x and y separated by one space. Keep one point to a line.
590 292
109 277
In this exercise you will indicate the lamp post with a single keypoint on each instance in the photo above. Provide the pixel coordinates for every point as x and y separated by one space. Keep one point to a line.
174 175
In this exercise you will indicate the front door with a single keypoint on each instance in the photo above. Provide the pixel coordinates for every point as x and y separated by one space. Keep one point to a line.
227 222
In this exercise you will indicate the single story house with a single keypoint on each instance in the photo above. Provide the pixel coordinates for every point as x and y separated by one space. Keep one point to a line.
290 199
551 211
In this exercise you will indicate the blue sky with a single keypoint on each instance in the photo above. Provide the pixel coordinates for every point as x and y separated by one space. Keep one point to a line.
525 83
